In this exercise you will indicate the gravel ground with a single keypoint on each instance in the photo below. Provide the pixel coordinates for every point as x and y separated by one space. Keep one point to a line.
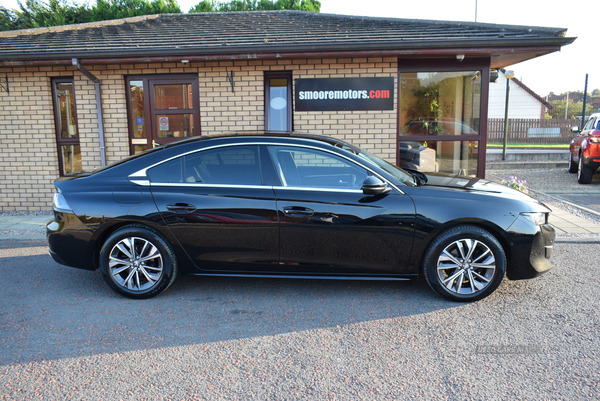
64 335
551 180
556 181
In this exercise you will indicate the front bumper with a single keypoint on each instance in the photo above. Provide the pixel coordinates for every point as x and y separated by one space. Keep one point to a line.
536 261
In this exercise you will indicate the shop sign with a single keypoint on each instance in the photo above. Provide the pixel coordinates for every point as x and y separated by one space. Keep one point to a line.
332 94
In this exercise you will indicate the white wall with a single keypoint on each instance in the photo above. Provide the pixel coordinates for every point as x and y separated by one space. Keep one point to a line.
520 105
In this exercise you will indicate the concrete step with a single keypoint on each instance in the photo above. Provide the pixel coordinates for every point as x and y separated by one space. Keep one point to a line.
510 165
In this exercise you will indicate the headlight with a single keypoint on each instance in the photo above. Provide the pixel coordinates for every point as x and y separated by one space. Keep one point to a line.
595 139
60 203
537 218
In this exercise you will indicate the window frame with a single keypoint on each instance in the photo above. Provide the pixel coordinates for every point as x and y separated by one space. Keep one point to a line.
148 82
449 65
60 141
268 75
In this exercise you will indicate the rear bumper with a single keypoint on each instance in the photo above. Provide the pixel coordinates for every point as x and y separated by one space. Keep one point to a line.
69 241
591 163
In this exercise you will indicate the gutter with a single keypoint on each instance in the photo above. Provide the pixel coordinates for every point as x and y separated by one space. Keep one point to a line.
252 50
176 56
96 82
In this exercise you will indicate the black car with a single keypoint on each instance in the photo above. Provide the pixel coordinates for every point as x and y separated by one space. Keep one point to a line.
298 206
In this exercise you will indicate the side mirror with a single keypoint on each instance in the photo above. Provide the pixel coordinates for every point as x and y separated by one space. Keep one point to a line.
575 130
374 186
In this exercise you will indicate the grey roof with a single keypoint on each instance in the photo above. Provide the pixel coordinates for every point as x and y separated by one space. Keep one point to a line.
260 32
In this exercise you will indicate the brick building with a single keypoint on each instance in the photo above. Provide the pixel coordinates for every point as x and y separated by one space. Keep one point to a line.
78 97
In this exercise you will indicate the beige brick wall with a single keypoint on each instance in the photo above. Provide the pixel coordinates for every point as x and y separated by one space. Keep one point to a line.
28 155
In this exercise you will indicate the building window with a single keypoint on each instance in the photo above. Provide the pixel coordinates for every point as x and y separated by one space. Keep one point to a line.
162 109
278 101
65 122
442 116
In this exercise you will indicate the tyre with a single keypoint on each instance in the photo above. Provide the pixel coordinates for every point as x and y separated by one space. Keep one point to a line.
584 174
138 262
465 263
572 166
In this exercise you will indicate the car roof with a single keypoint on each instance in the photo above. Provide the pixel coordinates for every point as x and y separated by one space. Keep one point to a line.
264 134
173 147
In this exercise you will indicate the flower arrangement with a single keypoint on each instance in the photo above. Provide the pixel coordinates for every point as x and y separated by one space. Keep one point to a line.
517 184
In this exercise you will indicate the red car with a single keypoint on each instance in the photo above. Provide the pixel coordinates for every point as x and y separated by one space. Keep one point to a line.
585 150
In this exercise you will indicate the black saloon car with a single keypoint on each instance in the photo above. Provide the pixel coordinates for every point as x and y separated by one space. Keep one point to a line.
297 206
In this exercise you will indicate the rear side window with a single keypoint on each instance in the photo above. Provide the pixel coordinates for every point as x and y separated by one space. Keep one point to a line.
233 165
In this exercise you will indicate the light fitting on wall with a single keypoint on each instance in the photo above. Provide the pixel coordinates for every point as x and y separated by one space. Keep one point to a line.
460 57
493 76
185 62
230 79
4 84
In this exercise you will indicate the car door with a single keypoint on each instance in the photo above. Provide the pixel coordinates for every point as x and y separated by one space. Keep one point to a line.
327 224
582 136
215 204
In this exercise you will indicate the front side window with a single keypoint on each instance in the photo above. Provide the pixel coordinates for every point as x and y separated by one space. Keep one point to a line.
65 122
590 124
310 168
236 165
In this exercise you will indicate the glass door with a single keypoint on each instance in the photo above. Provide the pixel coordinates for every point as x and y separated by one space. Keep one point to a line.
162 109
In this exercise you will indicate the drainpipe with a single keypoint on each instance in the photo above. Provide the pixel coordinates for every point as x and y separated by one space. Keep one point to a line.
96 82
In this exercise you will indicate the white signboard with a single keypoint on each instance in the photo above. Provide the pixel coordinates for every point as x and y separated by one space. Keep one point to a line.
163 123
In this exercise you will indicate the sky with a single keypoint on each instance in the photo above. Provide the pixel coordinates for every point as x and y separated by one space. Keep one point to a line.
557 72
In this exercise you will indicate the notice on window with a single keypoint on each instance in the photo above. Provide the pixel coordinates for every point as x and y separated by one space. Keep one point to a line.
331 94
163 123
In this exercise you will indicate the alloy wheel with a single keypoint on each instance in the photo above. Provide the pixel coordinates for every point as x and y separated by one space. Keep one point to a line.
466 266
135 264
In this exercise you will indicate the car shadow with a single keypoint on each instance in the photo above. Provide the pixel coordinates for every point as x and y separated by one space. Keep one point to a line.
52 312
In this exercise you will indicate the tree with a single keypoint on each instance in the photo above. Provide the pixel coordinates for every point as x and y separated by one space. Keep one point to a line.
114 9
596 92
256 5
575 109
36 14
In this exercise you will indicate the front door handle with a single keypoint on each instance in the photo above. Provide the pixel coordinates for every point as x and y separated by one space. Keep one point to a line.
298 211
181 207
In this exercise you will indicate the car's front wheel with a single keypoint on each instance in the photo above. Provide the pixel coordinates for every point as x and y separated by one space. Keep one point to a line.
584 174
138 262
464 263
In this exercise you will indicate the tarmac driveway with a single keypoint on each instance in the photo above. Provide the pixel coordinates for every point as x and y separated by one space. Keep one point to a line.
65 335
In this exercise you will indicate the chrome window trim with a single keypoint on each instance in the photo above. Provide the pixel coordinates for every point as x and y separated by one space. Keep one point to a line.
202 185
140 177
317 189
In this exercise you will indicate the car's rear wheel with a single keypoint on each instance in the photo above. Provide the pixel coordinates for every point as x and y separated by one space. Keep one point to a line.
584 174
464 263
572 165
138 262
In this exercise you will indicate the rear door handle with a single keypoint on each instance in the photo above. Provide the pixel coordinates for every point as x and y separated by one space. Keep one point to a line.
181 207
298 211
